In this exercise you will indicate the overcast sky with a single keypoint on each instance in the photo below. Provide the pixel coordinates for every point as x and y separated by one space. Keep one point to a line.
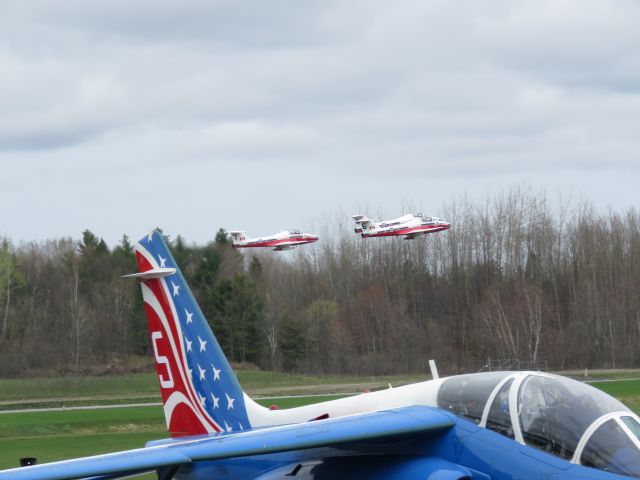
192 115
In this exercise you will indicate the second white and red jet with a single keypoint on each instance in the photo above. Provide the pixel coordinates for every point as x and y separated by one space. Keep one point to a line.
410 226
285 240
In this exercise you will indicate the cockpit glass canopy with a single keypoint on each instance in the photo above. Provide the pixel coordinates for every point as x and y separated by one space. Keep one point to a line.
555 412
633 425
294 232
561 416
610 449
499 418
466 395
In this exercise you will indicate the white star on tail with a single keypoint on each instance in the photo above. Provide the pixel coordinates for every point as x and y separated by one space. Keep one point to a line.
189 316
202 400
150 236
203 344
240 425
229 401
215 400
188 344
162 261
227 427
216 373
202 372
176 288
190 373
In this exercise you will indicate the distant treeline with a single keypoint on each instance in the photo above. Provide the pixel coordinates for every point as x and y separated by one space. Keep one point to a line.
516 278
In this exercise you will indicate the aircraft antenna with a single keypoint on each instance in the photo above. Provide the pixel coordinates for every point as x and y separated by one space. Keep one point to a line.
434 369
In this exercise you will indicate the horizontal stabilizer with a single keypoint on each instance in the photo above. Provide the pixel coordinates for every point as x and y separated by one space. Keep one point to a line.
154 273
361 219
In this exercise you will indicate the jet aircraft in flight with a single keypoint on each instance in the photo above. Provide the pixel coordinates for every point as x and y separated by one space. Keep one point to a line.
285 240
483 426
410 226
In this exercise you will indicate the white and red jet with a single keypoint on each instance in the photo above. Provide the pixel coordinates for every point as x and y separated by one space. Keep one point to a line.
411 226
285 240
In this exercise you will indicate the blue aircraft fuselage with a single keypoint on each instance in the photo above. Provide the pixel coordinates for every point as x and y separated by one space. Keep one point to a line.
464 451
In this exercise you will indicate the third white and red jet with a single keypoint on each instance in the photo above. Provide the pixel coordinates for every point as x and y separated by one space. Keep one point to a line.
285 240
410 226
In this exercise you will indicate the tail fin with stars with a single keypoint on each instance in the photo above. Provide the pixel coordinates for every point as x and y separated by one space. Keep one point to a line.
200 392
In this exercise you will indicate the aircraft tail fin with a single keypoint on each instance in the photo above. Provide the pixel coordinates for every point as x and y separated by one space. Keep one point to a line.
362 222
237 236
200 392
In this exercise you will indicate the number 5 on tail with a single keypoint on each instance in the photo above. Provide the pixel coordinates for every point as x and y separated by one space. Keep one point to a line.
161 359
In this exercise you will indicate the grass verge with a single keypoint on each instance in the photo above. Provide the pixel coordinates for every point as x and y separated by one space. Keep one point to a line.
51 436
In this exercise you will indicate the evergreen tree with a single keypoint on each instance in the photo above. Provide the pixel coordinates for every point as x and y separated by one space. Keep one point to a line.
238 318
181 253
128 305
221 237
321 319
293 343
256 270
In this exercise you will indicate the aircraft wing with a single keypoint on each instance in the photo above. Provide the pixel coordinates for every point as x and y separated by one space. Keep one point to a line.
285 246
405 422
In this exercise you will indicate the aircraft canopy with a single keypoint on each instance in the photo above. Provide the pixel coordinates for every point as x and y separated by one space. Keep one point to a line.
561 416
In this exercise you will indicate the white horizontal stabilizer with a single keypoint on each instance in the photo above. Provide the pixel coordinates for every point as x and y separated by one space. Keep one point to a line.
361 218
154 273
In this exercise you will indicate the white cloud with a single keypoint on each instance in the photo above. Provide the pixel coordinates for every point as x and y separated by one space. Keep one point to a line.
106 104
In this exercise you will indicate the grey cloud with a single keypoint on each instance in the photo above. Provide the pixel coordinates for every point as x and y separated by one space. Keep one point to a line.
123 98
223 25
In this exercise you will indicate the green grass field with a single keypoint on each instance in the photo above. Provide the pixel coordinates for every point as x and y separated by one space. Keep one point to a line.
65 434
143 388
627 391
596 375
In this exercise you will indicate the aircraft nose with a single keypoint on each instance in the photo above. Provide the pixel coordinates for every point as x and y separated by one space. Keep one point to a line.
313 238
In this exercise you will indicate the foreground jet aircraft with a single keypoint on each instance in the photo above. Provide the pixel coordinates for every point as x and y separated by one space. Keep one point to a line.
285 240
497 425
411 226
